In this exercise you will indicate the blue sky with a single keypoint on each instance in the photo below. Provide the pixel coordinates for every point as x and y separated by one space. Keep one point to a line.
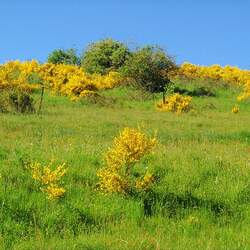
202 32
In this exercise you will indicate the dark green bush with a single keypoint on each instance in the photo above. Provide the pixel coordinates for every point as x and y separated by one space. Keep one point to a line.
104 56
98 100
149 68
17 101
200 91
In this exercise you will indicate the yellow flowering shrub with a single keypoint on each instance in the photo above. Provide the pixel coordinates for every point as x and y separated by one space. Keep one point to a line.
49 179
54 191
145 182
176 103
69 80
108 81
246 93
235 109
82 84
64 79
110 181
127 149
16 74
55 76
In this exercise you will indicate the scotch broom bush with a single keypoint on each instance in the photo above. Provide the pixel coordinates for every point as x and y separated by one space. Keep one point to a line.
127 150
176 103
49 179
62 79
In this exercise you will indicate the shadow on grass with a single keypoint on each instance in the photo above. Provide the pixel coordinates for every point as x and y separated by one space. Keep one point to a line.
201 91
170 204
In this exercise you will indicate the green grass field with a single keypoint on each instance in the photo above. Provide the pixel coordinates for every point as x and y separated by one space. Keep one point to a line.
201 199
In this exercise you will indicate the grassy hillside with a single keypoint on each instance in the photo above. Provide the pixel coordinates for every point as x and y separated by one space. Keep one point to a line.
200 201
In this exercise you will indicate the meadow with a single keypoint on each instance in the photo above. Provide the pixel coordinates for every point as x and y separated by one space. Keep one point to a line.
201 197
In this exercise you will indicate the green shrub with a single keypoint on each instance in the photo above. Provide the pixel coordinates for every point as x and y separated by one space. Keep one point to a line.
3 102
149 68
16 101
104 56
60 56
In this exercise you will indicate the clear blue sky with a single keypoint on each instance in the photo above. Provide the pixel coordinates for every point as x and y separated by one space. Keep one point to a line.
200 31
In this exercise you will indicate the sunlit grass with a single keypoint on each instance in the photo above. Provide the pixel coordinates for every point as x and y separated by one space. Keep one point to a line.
201 199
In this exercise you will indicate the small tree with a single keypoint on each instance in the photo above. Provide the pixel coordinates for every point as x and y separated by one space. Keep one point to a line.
104 56
149 68
60 56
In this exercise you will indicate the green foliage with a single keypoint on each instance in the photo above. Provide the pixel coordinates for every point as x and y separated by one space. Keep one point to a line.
17 101
61 56
149 67
104 56
4 102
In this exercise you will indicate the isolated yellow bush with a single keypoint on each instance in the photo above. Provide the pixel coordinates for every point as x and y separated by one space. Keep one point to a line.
49 179
235 109
127 149
176 103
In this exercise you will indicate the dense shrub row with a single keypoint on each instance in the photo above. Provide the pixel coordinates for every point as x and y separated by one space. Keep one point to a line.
104 65
149 66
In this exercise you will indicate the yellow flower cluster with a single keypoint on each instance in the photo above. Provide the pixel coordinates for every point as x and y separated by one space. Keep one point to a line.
145 182
49 179
81 84
54 192
228 74
128 148
176 103
110 181
16 74
246 93
235 110
63 79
